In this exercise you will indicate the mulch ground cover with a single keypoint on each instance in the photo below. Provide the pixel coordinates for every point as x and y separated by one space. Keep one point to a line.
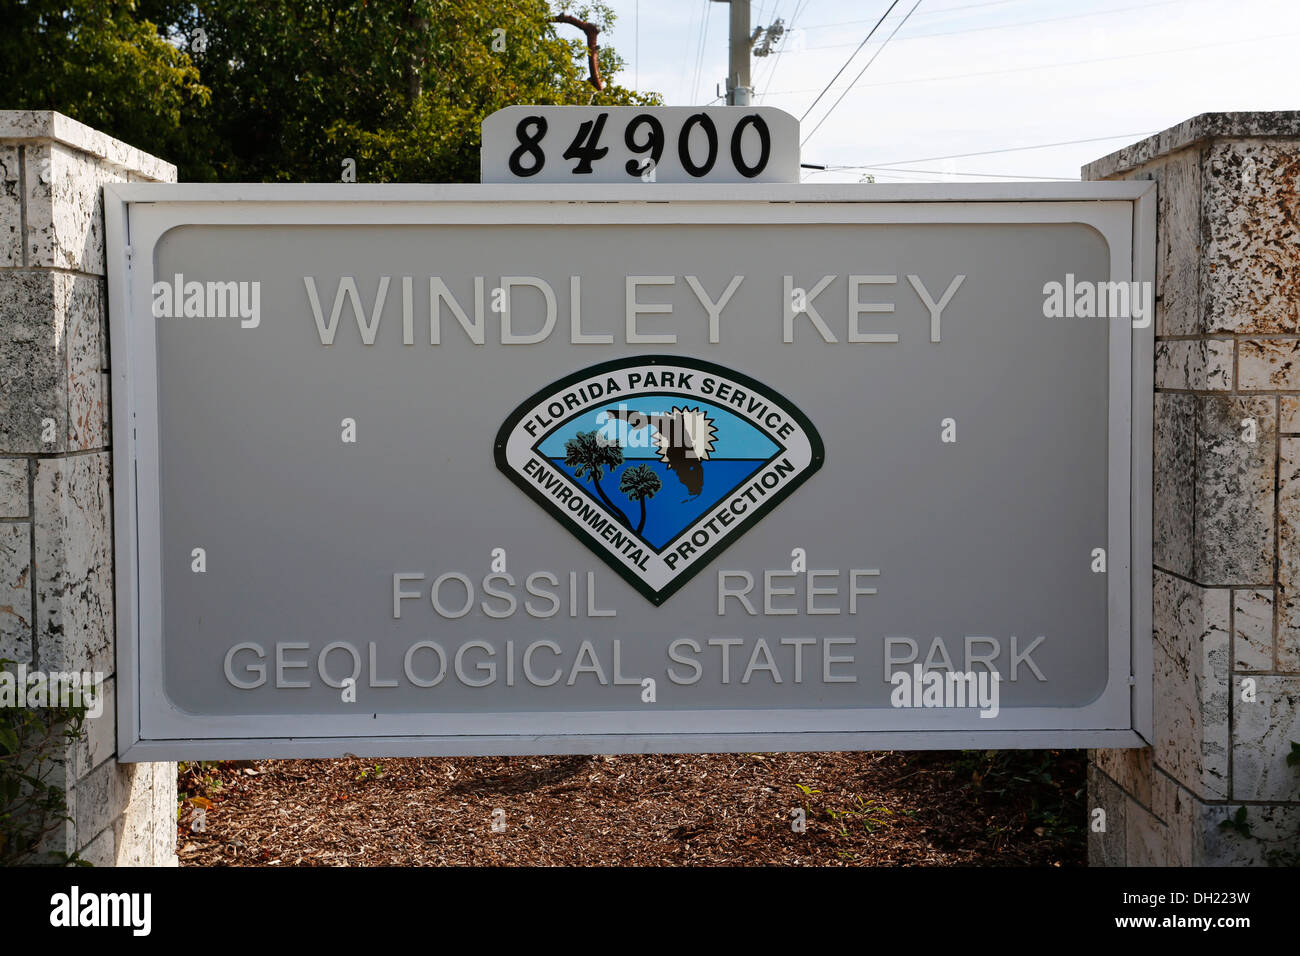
818 809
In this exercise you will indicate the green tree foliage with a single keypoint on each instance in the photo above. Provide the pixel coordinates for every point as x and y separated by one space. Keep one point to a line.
33 743
640 483
286 90
591 457
100 62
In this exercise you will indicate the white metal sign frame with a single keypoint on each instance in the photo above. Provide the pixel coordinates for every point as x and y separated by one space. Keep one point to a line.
150 727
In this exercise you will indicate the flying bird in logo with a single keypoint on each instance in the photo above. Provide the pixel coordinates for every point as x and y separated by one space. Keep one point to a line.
685 438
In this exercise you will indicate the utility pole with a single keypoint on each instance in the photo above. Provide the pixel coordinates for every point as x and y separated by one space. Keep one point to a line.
738 89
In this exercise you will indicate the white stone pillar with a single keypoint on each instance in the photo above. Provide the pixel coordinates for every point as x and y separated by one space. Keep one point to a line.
56 554
1226 509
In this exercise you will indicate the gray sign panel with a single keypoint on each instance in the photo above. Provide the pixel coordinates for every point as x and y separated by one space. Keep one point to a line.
418 470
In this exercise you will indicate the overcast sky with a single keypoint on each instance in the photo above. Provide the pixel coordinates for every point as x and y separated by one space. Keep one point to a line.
968 76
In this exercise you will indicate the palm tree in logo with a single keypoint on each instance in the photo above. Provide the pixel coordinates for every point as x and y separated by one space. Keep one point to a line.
640 483
590 458
685 439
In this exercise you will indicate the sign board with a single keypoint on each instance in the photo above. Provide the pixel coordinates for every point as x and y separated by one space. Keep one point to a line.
640 144
463 470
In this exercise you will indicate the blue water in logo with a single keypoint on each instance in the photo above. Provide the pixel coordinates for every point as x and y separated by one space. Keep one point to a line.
668 512
739 451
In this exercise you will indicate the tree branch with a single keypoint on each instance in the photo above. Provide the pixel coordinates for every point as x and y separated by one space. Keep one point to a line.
593 50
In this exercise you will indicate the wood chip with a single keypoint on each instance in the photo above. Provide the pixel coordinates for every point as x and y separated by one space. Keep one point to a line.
865 809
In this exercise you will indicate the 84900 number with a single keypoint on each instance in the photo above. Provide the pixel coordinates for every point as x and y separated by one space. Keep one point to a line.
697 146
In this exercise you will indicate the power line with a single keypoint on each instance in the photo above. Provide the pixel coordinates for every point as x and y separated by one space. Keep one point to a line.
860 72
849 60
932 12
764 26
1011 26
704 45
952 172
687 67
990 152
944 172
699 56
1053 66
764 23
699 47
790 27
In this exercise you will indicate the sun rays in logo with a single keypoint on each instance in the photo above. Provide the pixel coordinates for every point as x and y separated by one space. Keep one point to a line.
685 428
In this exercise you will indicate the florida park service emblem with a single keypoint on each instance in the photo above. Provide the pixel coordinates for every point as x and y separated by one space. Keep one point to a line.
658 463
